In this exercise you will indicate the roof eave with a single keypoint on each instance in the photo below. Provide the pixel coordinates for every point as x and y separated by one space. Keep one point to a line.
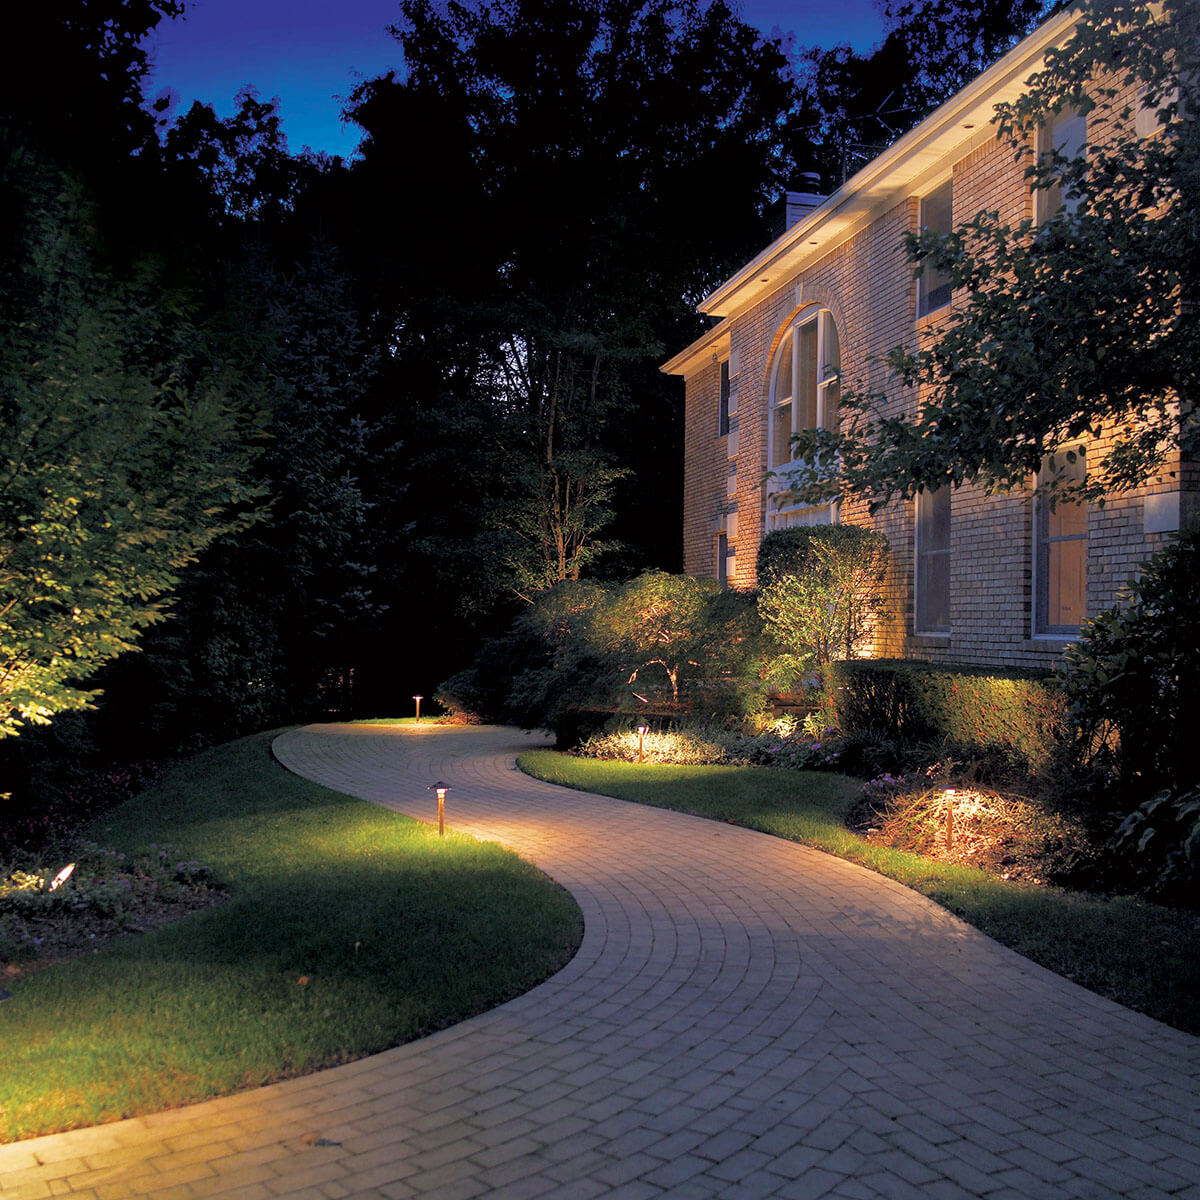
889 176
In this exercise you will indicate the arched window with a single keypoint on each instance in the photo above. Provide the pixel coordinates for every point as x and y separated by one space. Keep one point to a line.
805 384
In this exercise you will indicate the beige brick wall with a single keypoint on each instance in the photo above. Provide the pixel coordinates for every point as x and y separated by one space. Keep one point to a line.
868 286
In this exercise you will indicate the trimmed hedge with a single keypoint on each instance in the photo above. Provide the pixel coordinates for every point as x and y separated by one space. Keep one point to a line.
1019 711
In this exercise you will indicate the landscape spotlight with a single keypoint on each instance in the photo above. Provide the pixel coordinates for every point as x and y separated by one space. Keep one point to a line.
642 730
418 699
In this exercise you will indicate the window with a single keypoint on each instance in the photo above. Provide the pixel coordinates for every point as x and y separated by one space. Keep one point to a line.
1060 556
933 285
1065 133
726 561
1150 119
932 591
804 394
723 401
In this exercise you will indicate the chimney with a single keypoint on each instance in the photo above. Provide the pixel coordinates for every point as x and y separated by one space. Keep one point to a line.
793 207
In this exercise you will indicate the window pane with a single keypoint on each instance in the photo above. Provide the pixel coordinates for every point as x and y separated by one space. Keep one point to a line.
933 288
807 336
933 520
1066 579
1066 134
1062 555
937 207
781 434
933 561
933 593
833 354
1067 521
783 369
831 395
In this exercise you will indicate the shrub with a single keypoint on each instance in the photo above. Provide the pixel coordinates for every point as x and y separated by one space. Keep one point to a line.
659 641
101 885
781 745
1157 846
783 552
1130 681
1019 713
823 604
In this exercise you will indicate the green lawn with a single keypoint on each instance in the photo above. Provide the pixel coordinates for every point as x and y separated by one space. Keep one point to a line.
1142 955
347 929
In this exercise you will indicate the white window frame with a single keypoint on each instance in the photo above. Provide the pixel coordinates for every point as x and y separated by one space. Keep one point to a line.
828 385
921 554
1042 549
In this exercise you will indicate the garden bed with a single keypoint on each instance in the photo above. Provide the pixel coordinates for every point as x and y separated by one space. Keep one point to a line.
1007 836
105 896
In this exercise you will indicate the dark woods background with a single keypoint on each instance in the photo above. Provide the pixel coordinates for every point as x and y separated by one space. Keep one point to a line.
432 371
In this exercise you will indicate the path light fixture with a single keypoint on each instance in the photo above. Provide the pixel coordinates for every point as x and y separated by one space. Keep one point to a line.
949 793
642 730
441 789
418 699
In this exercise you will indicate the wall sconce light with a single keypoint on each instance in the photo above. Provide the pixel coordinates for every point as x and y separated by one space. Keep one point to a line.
642 730
418 699
949 793
441 789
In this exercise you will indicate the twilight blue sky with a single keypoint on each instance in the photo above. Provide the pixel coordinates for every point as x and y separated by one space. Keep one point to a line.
311 53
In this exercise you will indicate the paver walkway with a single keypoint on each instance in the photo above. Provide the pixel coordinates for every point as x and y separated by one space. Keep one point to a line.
745 1018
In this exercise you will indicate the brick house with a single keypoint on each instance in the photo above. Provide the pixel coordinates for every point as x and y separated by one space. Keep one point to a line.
984 580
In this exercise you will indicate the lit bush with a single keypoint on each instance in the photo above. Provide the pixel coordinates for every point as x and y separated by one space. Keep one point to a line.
707 745
821 593
663 642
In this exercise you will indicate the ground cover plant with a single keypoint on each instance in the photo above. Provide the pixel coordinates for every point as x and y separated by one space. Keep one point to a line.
344 929
98 895
1140 954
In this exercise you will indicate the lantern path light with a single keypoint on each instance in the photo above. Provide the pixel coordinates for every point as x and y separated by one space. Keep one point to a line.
441 789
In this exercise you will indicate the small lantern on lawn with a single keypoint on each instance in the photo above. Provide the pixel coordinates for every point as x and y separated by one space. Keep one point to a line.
418 699
949 794
441 789
642 730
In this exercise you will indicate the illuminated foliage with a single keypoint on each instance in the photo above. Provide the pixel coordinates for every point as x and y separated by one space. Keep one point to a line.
657 643
124 452
824 605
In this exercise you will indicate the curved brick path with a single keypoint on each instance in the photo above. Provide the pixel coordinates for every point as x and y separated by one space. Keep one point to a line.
745 1018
